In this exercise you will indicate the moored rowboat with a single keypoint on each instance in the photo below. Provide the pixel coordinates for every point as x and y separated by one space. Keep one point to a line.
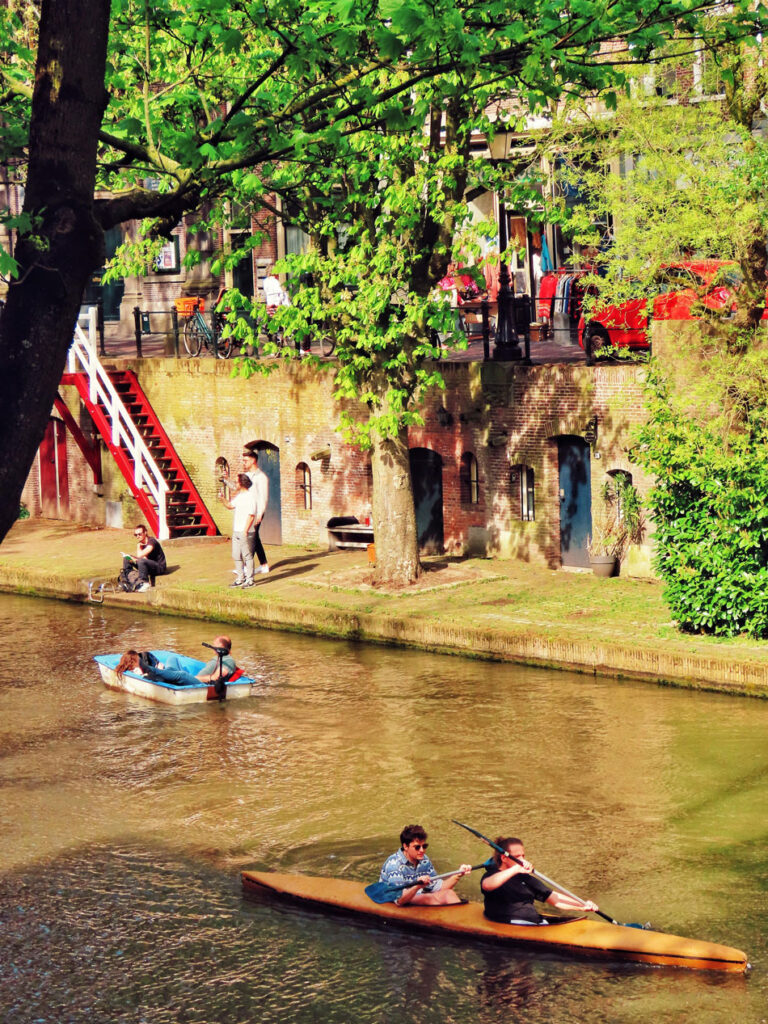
168 693
580 936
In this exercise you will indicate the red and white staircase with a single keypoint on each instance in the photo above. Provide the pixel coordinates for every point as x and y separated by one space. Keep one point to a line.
138 443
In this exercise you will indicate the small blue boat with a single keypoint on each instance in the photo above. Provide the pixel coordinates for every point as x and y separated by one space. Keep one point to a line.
170 693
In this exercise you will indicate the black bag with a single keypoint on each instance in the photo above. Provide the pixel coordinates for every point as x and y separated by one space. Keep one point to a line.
128 580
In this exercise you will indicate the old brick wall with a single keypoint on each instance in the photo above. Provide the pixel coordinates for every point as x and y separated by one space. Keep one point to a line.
509 415
503 414
209 415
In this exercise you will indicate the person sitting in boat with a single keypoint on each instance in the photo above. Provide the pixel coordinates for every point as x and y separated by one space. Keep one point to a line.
509 889
171 671
412 865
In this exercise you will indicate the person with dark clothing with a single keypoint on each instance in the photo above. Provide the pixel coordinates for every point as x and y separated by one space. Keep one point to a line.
150 558
260 484
509 889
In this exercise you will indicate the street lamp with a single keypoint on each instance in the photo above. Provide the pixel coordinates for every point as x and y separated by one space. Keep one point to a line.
507 345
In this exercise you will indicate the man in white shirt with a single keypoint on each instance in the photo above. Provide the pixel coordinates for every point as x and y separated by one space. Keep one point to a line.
261 490
243 504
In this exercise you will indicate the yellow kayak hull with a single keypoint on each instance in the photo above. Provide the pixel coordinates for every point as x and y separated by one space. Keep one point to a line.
582 936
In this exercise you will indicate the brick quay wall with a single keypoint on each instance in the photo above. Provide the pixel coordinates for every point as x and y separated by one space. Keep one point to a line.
501 415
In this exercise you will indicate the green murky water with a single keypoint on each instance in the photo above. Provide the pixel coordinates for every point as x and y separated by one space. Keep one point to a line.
124 825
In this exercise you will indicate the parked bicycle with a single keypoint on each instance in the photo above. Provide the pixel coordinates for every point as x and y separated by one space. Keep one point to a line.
198 332
325 342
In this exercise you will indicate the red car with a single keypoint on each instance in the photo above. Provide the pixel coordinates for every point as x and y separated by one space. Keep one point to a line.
676 289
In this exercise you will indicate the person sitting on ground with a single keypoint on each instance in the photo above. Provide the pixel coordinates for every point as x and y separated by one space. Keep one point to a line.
172 671
411 866
150 558
129 663
509 889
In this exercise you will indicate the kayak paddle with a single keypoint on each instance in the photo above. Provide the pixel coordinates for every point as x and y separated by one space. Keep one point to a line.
538 874
383 892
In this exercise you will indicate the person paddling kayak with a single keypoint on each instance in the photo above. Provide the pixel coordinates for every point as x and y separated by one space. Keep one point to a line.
412 865
509 889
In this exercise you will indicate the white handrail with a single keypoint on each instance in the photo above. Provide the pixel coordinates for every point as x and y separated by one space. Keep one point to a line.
82 358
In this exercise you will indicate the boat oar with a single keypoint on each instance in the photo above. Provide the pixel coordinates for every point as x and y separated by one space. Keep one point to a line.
538 874
219 686
383 892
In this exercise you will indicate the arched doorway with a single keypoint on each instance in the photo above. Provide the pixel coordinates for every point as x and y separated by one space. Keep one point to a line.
575 500
427 480
271 531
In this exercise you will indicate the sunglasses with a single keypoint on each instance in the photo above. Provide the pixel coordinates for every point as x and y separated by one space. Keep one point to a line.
138 535
419 846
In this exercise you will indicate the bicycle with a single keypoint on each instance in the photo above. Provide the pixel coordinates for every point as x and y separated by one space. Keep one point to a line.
325 342
198 333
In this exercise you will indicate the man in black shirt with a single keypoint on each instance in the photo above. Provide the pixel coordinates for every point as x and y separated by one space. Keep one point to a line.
150 558
509 889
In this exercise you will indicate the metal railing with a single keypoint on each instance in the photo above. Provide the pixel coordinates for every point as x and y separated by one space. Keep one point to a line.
83 358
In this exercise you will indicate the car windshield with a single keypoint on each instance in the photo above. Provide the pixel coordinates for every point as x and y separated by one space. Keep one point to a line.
673 279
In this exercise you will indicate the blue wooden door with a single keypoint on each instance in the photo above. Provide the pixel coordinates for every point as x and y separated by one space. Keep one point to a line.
271 531
575 500
427 479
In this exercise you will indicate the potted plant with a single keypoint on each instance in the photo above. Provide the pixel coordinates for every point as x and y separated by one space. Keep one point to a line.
616 524
605 546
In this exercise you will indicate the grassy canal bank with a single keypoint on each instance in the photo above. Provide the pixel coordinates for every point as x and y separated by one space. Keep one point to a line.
504 611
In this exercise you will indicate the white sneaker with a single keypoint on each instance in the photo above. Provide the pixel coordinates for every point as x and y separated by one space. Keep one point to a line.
143 588
263 569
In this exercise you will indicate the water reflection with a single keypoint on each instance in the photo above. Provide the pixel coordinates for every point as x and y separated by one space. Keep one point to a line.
124 825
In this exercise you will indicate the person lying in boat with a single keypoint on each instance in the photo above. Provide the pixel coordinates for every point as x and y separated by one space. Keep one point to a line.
412 865
509 889
129 663
172 670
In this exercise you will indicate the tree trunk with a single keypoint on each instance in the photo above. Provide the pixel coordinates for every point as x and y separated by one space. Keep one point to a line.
65 243
394 517
754 264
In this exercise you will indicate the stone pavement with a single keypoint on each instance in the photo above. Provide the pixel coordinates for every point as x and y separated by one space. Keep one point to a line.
482 608
154 346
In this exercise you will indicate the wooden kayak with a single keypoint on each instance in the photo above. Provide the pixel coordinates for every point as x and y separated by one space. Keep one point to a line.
582 936
168 693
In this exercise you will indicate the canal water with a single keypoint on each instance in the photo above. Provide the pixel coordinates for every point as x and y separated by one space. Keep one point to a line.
125 824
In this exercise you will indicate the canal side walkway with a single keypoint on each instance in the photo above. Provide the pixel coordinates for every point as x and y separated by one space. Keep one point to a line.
483 608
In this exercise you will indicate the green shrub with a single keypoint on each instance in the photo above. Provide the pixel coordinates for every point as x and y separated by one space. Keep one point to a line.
710 503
